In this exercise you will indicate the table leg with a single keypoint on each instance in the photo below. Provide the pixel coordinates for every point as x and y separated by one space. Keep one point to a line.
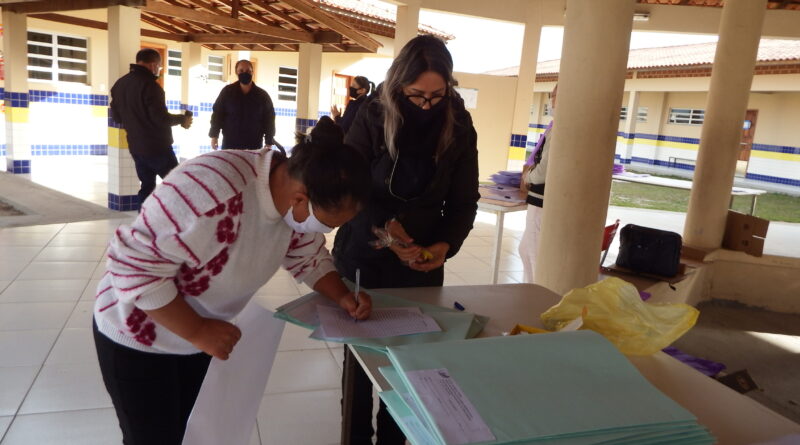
348 379
498 246
753 205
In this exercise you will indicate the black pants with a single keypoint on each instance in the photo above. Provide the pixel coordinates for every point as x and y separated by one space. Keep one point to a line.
374 275
153 394
148 167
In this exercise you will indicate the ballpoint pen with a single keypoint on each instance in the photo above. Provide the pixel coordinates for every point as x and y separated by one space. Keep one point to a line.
358 286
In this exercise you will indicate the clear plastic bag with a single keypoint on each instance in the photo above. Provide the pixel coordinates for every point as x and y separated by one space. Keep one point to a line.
613 308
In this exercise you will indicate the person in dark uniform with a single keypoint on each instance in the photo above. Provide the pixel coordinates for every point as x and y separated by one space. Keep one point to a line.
360 88
243 112
422 149
138 104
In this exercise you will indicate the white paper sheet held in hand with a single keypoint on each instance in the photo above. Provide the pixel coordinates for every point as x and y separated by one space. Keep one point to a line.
382 322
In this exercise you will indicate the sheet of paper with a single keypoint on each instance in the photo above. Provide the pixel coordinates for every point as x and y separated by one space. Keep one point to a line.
382 322
456 417
227 405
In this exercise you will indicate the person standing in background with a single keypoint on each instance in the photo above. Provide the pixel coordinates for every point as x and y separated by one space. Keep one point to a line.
360 88
533 177
244 112
138 104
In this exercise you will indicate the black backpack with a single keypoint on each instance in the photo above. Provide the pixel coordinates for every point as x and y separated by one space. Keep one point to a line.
648 250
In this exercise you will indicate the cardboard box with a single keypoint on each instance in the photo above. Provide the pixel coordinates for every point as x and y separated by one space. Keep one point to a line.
745 233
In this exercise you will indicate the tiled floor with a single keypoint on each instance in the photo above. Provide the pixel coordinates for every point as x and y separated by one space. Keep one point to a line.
51 391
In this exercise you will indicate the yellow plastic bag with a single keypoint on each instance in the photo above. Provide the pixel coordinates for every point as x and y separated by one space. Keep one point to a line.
615 309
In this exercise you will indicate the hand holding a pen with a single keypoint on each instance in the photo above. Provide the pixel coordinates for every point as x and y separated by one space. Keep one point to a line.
357 308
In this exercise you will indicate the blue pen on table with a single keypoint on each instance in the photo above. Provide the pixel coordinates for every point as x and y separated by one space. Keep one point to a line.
358 286
458 306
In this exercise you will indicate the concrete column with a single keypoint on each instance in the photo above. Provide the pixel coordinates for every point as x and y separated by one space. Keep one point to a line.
190 140
15 52
123 43
309 73
731 76
524 96
407 24
591 81
630 123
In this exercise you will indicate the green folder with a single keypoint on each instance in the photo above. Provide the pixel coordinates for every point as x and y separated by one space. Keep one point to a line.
548 388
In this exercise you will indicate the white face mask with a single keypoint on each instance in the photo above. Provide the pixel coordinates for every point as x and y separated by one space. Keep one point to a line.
311 224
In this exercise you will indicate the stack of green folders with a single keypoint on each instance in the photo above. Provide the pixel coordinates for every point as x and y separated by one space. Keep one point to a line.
561 388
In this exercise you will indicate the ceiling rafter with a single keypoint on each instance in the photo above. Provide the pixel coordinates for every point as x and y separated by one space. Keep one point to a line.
281 14
68 19
323 18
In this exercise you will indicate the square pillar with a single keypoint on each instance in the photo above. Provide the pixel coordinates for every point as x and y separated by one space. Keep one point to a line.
309 72
15 51
524 96
124 29
191 139
630 123
407 24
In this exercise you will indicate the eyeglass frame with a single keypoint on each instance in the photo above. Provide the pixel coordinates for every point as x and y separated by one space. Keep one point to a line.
425 100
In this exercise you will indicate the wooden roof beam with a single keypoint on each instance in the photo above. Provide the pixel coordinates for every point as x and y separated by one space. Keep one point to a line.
327 20
60 18
188 14
281 14
66 5
236 38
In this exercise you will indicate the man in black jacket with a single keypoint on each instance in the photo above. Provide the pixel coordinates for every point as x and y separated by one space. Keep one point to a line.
243 112
138 104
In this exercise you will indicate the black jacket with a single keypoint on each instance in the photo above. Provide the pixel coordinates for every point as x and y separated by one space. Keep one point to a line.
247 120
444 210
138 104
350 112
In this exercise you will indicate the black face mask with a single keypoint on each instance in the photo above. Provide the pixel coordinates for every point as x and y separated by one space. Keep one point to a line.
245 78
353 92
417 115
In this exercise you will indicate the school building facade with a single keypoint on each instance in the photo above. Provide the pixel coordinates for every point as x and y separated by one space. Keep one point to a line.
663 110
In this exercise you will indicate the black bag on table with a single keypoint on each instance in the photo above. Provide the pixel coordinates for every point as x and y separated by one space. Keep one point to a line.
648 250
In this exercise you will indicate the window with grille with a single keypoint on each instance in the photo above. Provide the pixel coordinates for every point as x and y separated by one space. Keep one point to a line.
173 63
216 67
686 116
548 111
641 115
287 84
623 113
57 57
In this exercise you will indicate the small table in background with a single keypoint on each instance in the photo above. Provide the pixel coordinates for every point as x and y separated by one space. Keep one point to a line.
499 208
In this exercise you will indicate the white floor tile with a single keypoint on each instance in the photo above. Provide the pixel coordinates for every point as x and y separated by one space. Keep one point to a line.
453 279
71 253
102 227
29 291
33 239
477 241
26 316
66 388
26 348
304 371
75 346
22 254
16 382
510 263
338 356
80 239
296 338
509 277
477 277
100 270
10 268
5 422
56 270
86 427
90 291
51 229
465 263
81 317
4 284
308 418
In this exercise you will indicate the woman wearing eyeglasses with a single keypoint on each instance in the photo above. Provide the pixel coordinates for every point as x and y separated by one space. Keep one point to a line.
421 145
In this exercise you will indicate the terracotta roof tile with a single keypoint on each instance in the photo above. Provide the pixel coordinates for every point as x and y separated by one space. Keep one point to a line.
371 10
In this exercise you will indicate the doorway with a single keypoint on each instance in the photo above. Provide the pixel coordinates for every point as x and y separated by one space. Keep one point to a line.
339 94
746 143
162 51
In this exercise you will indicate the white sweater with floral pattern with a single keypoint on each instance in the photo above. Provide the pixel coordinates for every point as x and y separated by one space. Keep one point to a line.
210 233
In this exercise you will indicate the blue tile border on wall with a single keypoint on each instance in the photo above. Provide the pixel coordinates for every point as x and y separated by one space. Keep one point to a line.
18 166
777 148
518 140
302 125
773 179
68 98
543 126
69 150
123 203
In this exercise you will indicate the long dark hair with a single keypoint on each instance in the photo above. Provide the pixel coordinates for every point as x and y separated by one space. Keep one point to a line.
334 174
364 83
420 54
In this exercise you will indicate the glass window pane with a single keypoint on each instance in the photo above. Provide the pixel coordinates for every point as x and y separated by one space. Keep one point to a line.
72 41
72 53
38 49
36 61
65 65
287 80
40 75
215 76
174 54
40 37
72 77
287 88
286 97
286 70
172 72
174 63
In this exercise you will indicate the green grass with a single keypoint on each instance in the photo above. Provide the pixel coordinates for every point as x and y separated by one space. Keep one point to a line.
770 206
